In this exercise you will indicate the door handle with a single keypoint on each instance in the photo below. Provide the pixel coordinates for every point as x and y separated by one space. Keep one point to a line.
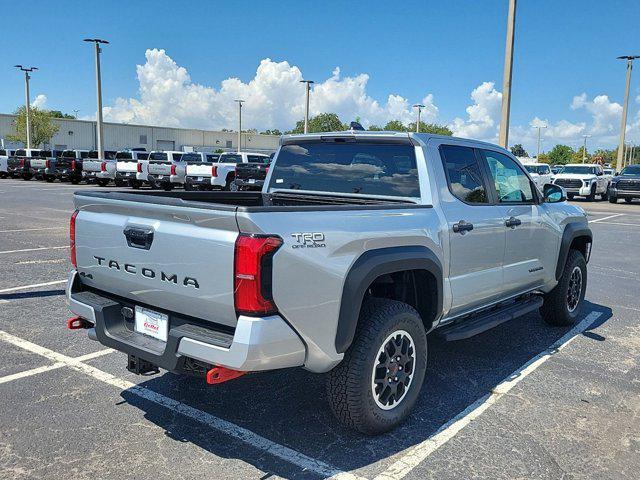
462 227
513 222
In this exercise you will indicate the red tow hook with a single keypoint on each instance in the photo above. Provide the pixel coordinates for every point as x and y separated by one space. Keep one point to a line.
77 323
222 374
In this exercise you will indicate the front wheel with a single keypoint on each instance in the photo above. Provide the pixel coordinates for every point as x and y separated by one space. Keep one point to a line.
613 199
103 182
628 200
605 195
562 305
378 382
592 196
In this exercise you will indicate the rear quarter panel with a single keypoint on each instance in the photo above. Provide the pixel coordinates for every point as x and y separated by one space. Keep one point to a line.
308 281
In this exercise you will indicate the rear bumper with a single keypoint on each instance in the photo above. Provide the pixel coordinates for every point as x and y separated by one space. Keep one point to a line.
126 175
263 343
257 184
198 180
100 175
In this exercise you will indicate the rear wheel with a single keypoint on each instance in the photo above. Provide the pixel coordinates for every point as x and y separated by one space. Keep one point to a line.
167 187
613 199
188 187
234 187
570 196
562 305
628 200
605 195
378 382
135 184
27 176
103 182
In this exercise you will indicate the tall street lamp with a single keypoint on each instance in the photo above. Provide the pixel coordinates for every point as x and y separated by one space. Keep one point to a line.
419 106
240 102
97 42
623 123
539 127
27 104
506 80
584 149
306 110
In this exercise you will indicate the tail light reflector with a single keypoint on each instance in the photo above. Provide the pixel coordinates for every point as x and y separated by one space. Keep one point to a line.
173 170
103 167
72 238
139 167
47 163
73 164
252 274
214 171
22 162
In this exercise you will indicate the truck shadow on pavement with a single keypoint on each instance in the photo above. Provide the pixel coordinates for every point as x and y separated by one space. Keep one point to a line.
289 407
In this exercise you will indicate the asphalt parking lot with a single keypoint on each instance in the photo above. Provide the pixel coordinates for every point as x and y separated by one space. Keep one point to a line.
524 400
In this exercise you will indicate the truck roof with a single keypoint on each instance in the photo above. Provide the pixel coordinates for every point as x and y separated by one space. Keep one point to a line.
422 138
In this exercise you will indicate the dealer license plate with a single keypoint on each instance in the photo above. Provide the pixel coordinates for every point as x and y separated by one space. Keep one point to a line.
153 324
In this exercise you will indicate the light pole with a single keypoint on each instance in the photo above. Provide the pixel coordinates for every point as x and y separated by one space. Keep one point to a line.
419 106
506 80
623 124
539 127
27 104
240 102
306 110
75 112
99 139
584 149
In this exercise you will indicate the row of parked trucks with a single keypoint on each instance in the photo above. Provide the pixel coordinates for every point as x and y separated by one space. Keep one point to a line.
137 167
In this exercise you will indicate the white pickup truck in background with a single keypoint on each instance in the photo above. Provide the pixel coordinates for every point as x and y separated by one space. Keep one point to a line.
99 170
127 167
540 173
224 172
4 155
156 170
200 167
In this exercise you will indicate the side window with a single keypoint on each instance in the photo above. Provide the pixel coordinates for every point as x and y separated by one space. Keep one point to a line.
512 184
464 175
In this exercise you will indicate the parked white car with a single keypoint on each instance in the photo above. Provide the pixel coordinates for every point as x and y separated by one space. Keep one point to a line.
540 173
4 155
157 170
127 167
586 180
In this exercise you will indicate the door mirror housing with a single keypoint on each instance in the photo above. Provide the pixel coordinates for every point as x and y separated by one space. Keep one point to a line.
553 193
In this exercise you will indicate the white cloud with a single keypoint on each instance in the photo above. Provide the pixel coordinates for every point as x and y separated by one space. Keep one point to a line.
483 116
40 101
274 98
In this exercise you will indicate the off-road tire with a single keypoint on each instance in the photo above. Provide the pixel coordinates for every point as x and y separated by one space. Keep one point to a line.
628 200
188 187
605 195
349 386
570 196
167 187
103 182
135 184
592 196
555 309
613 199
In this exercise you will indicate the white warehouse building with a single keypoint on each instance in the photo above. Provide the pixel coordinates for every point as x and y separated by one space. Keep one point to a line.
81 134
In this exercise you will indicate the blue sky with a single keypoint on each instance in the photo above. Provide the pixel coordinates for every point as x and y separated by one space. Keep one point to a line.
413 49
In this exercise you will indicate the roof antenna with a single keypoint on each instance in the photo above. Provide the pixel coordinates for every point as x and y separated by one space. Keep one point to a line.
356 126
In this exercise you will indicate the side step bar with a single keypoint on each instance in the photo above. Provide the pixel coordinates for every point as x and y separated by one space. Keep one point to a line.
471 326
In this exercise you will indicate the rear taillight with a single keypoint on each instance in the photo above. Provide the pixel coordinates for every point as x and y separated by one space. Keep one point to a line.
47 163
22 162
72 238
73 164
214 171
139 168
173 170
266 170
252 274
103 167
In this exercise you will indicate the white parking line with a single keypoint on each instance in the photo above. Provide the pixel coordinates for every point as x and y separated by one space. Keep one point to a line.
623 224
244 435
34 249
418 453
35 285
606 218
33 229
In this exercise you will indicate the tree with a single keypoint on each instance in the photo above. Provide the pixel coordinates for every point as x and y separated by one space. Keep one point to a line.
324 122
430 128
375 128
59 114
42 127
395 126
519 151
561 154
577 156
544 158
275 131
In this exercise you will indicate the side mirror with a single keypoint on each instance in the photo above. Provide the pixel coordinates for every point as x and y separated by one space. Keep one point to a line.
553 193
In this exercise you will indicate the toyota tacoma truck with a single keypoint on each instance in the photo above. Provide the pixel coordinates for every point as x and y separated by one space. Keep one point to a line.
19 165
99 170
4 156
251 175
626 185
585 180
127 167
358 247
200 166
69 165
164 169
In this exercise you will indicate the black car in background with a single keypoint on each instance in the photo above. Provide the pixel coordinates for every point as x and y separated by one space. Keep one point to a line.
625 185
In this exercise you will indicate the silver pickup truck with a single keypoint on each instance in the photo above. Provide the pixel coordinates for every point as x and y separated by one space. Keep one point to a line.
357 248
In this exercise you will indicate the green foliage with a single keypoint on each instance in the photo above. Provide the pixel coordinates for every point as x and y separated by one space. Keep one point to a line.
396 126
42 127
375 128
275 131
430 128
519 151
544 158
577 156
561 155
59 114
324 122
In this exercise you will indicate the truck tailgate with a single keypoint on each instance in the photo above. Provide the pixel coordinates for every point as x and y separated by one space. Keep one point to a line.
199 170
127 166
160 168
159 256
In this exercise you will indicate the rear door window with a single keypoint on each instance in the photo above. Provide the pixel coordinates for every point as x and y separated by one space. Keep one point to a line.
352 168
230 158
464 174
257 159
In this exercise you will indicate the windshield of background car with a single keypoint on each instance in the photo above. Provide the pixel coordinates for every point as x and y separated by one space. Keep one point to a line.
355 168
539 169
631 170
231 158
579 170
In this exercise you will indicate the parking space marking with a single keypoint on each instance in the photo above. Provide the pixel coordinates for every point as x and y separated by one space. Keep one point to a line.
34 249
30 373
33 229
35 285
242 434
606 218
419 453
623 224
